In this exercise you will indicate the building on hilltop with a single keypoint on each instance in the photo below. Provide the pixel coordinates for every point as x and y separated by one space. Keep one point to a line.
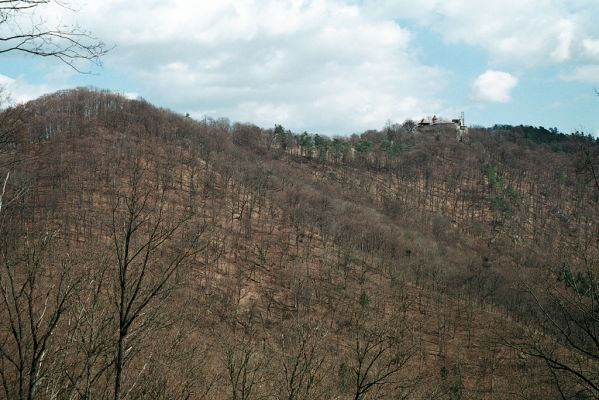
435 124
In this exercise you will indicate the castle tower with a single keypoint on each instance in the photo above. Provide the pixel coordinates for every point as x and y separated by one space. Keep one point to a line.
462 131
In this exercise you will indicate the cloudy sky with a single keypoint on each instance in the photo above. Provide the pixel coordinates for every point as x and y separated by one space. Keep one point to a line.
338 67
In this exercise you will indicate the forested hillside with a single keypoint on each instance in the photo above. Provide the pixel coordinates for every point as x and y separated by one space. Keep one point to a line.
149 255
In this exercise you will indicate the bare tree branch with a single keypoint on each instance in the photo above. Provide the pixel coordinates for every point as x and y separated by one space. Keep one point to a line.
69 44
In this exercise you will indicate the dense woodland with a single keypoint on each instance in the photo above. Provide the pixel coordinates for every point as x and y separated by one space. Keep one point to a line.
144 254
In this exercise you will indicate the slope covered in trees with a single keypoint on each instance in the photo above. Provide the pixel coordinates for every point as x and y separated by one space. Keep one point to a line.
148 255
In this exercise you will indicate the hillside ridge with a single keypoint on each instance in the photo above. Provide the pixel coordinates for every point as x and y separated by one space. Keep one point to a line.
175 258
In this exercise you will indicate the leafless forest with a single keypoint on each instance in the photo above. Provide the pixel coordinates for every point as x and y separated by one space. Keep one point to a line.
148 255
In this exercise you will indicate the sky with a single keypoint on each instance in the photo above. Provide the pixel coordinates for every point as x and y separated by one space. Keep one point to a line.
337 67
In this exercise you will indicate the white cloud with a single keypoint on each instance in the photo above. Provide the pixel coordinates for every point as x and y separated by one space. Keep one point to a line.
333 66
591 47
564 40
514 32
494 87
309 64
20 91
131 95
583 73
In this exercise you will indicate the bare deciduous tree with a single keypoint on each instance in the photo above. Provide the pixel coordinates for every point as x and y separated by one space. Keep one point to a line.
377 352
23 32
152 240
243 365
302 360
34 296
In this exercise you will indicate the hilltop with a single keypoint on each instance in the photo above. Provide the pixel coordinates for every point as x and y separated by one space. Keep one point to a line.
147 253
